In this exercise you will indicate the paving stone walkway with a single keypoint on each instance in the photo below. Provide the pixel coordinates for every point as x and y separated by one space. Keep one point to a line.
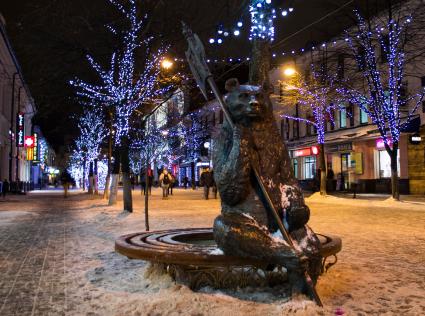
33 260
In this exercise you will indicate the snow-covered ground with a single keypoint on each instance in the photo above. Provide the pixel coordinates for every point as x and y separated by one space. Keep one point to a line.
57 257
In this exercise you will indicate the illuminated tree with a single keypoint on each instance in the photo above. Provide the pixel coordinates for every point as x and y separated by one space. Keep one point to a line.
124 86
88 144
318 96
384 97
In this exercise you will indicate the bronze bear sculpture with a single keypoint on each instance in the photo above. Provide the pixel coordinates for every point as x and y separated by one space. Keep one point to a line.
246 226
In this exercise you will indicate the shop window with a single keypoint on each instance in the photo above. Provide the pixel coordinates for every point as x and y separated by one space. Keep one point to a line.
342 119
385 164
309 167
295 166
363 117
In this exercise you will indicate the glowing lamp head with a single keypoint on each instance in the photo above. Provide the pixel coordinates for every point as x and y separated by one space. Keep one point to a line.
289 72
315 150
166 64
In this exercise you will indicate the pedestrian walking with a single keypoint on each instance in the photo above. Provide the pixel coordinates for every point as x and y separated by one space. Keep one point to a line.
165 180
206 181
214 185
172 182
5 189
66 180
185 182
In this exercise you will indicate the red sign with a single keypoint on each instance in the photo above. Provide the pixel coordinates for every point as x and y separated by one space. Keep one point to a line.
29 142
314 150
381 145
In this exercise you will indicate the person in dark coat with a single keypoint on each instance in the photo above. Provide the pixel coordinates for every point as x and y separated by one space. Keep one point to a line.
207 182
5 188
185 182
66 181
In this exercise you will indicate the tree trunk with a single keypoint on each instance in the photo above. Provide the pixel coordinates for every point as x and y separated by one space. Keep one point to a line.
96 178
147 195
192 175
84 174
125 167
259 66
91 178
107 184
322 166
395 189
114 179
108 176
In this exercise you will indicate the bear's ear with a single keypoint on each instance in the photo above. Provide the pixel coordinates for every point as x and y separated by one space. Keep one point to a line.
231 84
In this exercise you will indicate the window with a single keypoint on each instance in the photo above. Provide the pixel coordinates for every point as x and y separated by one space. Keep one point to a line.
342 119
287 130
385 44
423 106
363 117
282 128
295 131
361 59
221 117
340 71
385 164
403 94
295 166
350 113
309 167
423 81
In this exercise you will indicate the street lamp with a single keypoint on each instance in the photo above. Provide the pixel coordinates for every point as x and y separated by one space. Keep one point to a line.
166 64
289 71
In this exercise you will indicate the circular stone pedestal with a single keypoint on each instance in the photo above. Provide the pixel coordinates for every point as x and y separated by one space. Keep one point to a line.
191 257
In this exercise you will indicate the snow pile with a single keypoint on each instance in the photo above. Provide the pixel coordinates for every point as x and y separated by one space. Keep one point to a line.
216 252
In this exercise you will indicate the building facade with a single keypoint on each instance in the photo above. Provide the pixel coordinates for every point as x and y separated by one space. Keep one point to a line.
16 112
354 150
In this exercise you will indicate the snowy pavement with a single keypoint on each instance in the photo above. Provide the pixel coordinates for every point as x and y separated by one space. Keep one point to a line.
57 258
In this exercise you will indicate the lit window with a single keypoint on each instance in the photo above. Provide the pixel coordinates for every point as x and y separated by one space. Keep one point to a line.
309 167
342 119
363 117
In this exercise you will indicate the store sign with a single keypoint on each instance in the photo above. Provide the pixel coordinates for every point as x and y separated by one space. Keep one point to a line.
20 129
36 148
343 147
415 139
381 145
29 141
314 150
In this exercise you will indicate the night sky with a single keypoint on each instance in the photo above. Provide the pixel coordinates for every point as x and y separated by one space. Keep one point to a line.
52 37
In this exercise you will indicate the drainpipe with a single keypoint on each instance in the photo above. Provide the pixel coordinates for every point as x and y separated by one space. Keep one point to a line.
12 112
17 148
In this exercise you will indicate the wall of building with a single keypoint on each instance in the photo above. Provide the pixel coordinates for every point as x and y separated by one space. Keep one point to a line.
12 83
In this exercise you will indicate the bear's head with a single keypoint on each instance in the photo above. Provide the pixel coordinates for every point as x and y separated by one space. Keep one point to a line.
246 103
